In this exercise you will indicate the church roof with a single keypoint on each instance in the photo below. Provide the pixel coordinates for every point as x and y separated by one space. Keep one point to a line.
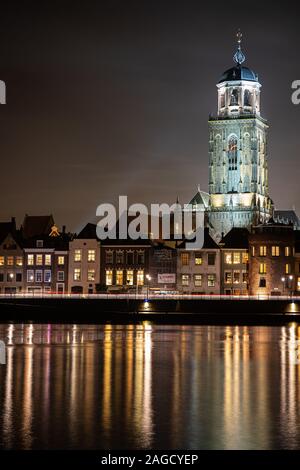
200 198
286 217
238 73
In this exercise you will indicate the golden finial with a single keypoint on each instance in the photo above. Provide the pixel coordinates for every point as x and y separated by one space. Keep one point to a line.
239 36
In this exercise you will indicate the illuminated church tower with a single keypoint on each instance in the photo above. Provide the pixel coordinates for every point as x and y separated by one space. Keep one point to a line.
238 165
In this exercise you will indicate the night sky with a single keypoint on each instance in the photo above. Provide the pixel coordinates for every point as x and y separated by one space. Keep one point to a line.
109 98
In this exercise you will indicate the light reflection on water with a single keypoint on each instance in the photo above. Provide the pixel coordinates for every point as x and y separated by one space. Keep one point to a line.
150 386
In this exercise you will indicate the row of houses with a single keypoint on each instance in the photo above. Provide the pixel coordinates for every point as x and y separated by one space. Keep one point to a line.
40 258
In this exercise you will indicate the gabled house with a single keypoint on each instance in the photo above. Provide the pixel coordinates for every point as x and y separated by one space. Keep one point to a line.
11 258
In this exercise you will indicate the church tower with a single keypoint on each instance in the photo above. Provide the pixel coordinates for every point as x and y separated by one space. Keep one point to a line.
238 165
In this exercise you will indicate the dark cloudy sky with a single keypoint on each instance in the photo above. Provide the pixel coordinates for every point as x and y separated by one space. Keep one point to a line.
112 97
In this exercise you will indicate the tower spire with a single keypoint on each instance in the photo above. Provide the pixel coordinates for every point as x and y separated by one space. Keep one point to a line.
239 57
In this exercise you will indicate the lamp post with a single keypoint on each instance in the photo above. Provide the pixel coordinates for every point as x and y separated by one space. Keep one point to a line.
283 284
291 277
148 277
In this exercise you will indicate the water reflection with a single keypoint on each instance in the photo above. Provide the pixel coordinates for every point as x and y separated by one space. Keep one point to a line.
150 386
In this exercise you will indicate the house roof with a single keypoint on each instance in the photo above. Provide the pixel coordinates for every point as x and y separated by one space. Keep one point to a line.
236 238
88 232
7 228
37 225
208 243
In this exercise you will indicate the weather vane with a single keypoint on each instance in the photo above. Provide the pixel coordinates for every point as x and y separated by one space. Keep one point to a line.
239 57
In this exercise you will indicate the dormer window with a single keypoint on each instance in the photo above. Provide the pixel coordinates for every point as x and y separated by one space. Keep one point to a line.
39 243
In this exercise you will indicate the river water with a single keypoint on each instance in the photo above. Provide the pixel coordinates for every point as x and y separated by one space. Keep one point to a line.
150 386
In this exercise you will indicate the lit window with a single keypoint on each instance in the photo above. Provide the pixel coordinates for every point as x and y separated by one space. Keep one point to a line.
287 268
263 250
275 250
119 277
19 261
38 276
109 277
120 257
185 279
77 255
48 260
39 260
109 257
198 280
287 251
1 260
228 277
262 268
245 258
10 261
61 260
30 260
129 277
211 280
91 275
228 258
91 256
298 283
47 275
211 258
77 274
198 259
236 277
236 257
185 259
140 277
253 250
30 276
61 276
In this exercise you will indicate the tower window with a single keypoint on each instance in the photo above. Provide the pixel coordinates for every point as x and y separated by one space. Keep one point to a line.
234 99
232 153
247 98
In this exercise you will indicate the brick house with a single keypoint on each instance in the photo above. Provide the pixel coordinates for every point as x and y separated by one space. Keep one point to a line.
235 262
45 256
84 262
272 262
198 271
11 258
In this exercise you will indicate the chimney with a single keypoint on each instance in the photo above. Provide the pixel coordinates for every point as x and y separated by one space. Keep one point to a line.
63 229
